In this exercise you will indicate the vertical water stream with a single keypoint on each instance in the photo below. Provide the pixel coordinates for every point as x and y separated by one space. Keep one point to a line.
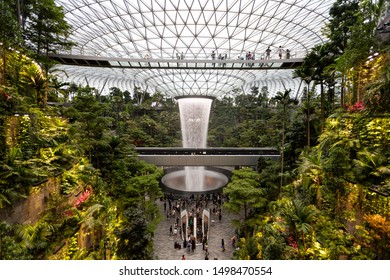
194 121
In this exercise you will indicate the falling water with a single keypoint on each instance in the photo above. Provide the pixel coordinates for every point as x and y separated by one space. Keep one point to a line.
194 119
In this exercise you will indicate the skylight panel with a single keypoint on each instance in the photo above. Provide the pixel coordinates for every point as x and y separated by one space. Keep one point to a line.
108 8
166 5
143 6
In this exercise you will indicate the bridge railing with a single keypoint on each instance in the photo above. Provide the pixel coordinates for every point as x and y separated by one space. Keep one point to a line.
190 56
205 151
125 62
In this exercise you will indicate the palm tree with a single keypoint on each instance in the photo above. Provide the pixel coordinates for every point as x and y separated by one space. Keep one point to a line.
72 90
299 218
283 100
314 66
308 108
306 74
311 166
34 78
57 88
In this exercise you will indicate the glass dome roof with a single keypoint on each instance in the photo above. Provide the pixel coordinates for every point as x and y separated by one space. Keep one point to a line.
161 29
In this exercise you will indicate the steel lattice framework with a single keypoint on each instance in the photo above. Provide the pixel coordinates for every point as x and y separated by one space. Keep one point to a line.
163 29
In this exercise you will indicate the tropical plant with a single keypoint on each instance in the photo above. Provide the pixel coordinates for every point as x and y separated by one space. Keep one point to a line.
244 195
10 37
10 248
34 79
36 238
283 101
374 237
312 169
47 30
372 168
299 218
134 237
90 221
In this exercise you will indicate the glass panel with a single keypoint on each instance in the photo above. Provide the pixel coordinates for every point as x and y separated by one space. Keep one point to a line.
162 28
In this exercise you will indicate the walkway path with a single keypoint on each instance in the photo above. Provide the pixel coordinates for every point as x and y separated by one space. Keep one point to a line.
164 243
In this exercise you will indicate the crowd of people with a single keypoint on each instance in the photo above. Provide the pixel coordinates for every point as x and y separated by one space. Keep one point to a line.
251 55
248 55
180 56
184 238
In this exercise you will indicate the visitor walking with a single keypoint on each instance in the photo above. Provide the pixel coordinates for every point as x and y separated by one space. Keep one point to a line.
213 54
288 54
147 57
234 240
223 245
170 231
268 53
280 52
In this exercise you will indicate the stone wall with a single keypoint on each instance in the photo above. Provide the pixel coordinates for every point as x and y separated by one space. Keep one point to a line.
28 211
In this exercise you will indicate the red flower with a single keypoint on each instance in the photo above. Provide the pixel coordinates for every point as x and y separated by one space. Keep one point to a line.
291 242
357 107
82 198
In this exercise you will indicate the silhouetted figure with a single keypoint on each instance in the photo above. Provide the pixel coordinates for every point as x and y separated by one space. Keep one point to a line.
268 53
280 52
213 56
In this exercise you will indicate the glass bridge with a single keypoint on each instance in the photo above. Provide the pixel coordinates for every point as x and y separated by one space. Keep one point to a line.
238 64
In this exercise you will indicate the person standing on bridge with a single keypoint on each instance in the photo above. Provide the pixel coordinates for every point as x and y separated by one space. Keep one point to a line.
268 53
280 52
213 54
287 54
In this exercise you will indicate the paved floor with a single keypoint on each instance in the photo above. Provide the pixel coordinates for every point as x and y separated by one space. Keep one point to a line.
164 242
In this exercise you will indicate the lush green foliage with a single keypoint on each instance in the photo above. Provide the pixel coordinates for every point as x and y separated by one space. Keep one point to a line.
326 199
